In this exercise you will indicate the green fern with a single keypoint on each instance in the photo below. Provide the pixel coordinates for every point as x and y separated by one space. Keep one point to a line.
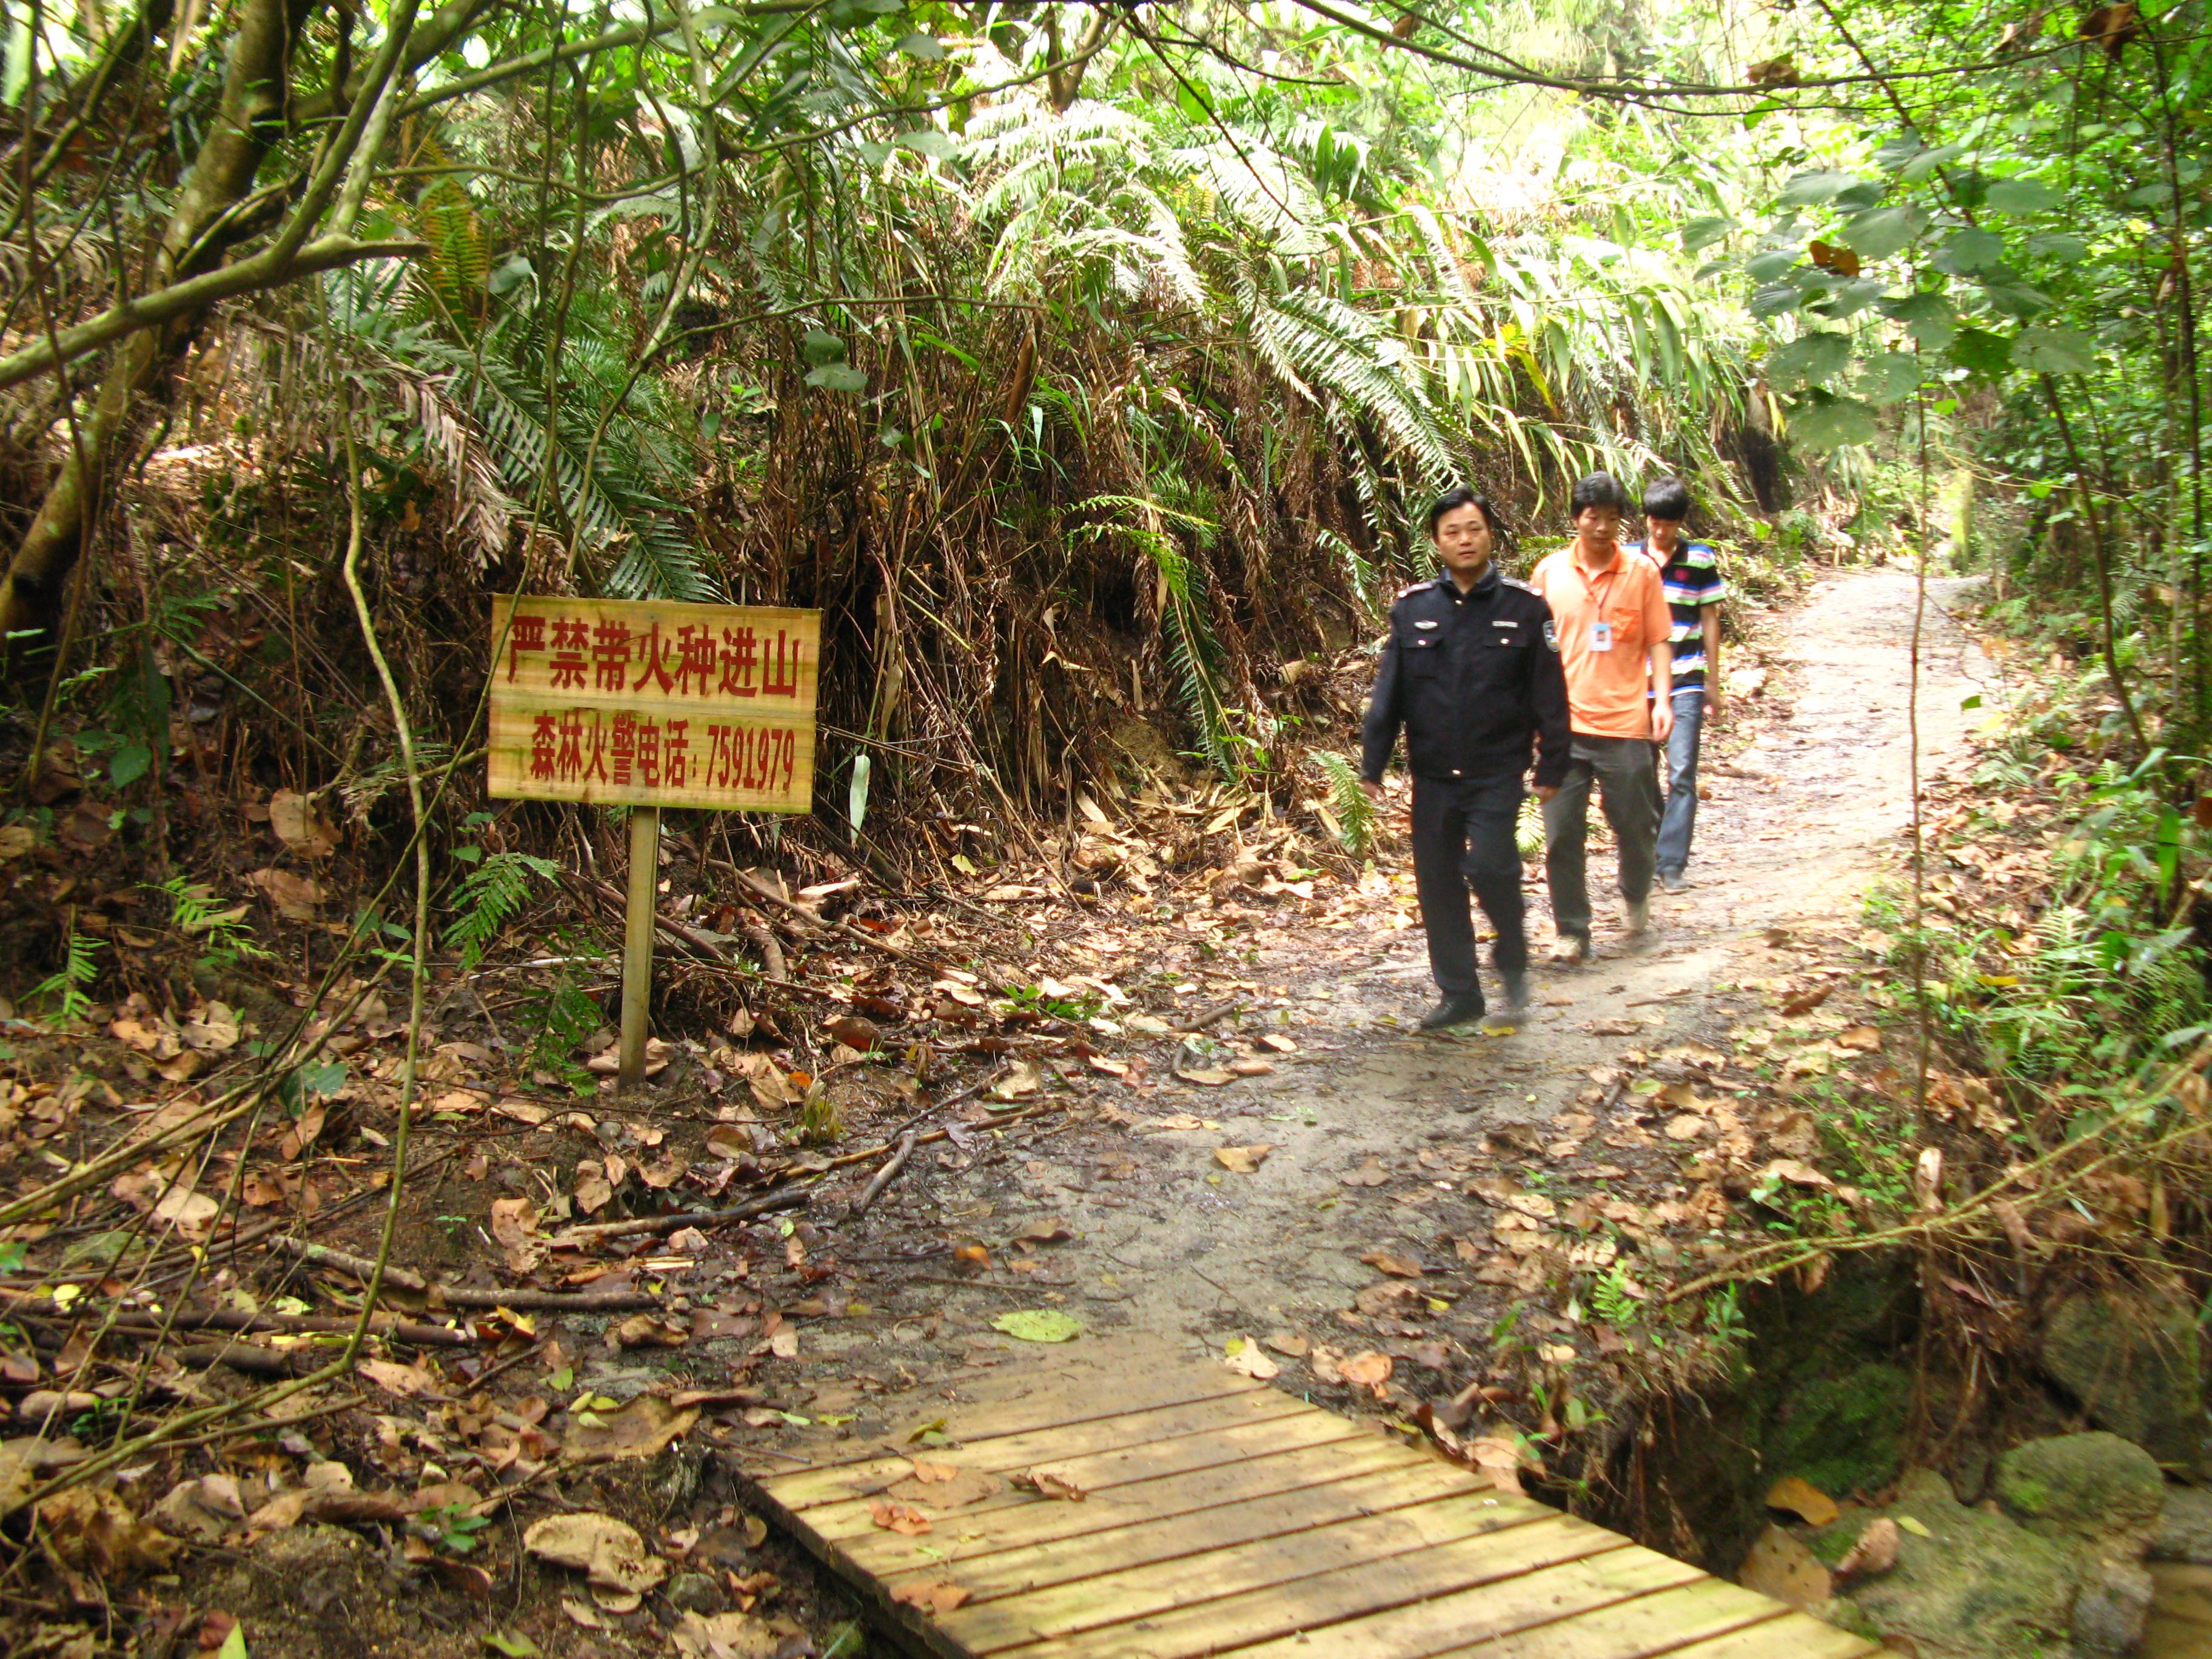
78 971
1353 811
196 912
1192 652
490 897
1528 829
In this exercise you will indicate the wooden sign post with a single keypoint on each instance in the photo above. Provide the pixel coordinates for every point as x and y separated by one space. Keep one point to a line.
644 704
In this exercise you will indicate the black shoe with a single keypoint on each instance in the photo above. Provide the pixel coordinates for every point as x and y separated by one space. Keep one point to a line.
1515 1006
1453 1012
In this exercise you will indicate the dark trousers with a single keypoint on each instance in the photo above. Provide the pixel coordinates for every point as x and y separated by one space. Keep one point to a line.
1464 838
1626 772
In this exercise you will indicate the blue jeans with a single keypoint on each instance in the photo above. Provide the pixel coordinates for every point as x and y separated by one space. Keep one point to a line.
1681 817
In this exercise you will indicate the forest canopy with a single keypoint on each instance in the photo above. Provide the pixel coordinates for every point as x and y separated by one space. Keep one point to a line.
1030 341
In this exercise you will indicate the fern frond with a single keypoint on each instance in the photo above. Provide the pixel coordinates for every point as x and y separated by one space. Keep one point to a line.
1353 811
1528 831
491 897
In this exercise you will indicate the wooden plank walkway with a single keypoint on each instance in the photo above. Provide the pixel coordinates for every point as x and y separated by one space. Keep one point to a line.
1220 1515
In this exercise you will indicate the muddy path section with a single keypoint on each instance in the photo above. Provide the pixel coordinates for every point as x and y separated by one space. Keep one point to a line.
1368 1129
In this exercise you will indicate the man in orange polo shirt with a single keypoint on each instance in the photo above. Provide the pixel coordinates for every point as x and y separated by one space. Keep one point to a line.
1610 611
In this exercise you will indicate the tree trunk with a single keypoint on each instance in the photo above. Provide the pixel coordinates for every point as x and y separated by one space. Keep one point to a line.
249 120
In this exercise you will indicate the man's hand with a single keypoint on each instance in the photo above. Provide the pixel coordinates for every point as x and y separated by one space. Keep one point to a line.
1372 789
1716 706
1545 791
1662 718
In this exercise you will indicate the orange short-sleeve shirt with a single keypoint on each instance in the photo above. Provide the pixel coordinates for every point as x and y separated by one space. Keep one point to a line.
1608 691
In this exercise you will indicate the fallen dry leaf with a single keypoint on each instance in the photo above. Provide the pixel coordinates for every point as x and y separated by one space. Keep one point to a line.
409 1381
1020 1079
646 1330
1864 1038
1245 1358
294 897
96 1531
726 1636
1803 1499
902 1518
608 1552
1781 1566
1370 1370
1398 1265
1806 1001
1369 1173
934 1598
1244 1160
1208 1076
1051 1483
643 1428
299 823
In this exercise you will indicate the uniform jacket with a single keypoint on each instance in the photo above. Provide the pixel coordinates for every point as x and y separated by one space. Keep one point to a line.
1474 679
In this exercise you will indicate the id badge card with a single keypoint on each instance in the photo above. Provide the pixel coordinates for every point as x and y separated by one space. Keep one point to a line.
1601 638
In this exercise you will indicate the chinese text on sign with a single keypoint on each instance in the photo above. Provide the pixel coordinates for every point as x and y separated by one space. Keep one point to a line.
641 704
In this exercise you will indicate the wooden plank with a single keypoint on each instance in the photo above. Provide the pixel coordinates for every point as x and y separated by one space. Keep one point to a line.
1219 1613
1034 1399
1130 1482
1403 1627
1793 1636
1119 1549
804 1488
1648 1625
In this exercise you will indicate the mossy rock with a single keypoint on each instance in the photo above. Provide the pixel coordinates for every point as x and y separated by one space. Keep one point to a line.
1842 1432
2131 1356
2095 1487
1975 1586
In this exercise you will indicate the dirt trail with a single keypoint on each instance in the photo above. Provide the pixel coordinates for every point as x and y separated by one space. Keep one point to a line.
1807 794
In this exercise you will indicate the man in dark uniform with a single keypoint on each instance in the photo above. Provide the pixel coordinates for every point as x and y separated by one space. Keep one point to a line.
1471 671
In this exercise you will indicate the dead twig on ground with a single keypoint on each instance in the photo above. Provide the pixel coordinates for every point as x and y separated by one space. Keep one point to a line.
456 1296
1205 1017
882 1177
793 1198
760 889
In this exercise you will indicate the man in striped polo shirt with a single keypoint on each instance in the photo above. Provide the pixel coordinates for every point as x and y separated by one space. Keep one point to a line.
1694 591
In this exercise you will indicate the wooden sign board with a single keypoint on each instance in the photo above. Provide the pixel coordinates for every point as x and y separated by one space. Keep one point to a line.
646 703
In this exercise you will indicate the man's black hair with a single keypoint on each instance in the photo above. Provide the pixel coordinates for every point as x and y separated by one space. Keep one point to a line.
1670 499
1452 500
1598 490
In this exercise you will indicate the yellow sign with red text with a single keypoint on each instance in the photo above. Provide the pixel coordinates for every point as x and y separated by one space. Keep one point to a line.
646 703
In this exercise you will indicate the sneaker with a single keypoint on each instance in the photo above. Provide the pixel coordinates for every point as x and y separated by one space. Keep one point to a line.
1453 1012
1639 915
1515 989
1570 950
1674 881
1507 1016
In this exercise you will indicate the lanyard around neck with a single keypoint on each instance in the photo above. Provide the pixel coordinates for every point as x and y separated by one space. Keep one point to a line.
1597 593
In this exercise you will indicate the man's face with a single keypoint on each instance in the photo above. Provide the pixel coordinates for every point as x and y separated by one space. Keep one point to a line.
1599 527
1662 532
1462 538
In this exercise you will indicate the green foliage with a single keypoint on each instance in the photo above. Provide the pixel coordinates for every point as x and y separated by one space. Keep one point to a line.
1353 812
489 897
1528 829
71 986
195 912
